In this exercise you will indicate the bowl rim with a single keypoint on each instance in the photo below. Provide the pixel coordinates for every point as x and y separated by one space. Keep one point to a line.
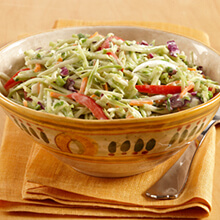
48 117
52 119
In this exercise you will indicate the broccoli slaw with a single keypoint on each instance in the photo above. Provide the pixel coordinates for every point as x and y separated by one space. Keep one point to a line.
106 77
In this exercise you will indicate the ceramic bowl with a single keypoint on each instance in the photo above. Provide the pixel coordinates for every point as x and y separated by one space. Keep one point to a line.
112 148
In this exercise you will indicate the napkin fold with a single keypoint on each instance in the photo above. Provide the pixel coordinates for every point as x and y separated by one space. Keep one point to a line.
33 180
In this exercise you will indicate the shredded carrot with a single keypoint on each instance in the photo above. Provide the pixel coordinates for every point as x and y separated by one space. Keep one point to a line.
190 86
191 69
83 85
129 115
37 67
55 95
38 88
141 102
106 87
174 82
25 103
95 34
109 105
93 96
60 59
159 101
94 62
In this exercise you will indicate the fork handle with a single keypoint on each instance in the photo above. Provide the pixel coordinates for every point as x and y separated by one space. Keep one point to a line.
171 184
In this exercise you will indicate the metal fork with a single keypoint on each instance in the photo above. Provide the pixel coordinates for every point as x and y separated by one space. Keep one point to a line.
172 183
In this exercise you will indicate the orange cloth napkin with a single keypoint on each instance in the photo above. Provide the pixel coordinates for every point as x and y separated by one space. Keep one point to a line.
32 180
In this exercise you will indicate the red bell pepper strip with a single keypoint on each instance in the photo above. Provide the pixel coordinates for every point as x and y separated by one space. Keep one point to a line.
89 103
159 89
106 43
112 54
11 82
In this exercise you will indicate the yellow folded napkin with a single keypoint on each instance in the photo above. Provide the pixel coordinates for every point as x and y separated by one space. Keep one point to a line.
32 180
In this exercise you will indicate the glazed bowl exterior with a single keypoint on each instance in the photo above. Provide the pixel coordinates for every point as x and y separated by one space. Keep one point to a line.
112 148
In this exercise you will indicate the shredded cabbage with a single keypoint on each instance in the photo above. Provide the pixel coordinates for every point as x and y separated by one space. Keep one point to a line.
108 70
